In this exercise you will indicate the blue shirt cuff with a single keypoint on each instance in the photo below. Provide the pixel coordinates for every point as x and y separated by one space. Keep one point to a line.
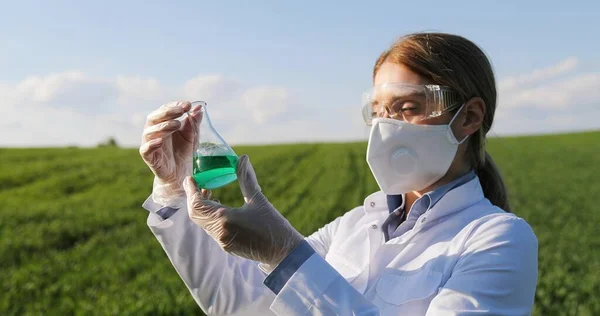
163 211
288 266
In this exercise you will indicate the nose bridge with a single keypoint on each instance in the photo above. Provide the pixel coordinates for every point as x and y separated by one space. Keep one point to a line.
385 110
394 114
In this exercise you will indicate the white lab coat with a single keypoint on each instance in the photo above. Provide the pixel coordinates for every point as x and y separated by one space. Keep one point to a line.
464 256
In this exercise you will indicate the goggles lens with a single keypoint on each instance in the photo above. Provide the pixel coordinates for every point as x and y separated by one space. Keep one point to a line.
411 103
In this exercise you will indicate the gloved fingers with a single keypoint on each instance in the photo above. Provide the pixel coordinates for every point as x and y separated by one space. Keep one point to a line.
195 111
149 148
161 129
206 194
204 212
247 178
189 185
189 126
169 111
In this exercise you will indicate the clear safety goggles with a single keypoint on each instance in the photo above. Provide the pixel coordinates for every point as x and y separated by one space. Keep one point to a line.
410 103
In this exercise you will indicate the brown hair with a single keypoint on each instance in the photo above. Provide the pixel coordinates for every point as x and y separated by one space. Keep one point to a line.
453 61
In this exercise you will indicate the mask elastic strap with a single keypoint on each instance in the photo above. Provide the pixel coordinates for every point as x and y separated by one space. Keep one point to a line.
451 134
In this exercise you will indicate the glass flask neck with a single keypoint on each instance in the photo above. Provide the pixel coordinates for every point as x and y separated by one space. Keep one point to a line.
209 140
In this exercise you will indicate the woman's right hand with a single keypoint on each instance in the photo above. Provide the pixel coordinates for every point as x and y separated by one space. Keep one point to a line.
167 148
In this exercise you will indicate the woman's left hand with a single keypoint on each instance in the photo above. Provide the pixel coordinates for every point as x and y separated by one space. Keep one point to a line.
255 231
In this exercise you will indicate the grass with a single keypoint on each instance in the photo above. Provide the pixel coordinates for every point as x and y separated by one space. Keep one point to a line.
73 235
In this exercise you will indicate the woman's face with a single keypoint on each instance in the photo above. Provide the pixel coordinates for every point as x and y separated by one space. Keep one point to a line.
406 109
467 121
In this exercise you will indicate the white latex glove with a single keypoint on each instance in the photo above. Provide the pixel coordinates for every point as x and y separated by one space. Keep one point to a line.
255 231
167 148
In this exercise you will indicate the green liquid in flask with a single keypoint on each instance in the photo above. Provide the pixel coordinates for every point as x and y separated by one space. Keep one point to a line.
211 172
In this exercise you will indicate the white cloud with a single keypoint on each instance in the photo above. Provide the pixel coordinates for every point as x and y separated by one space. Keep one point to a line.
573 91
545 73
64 126
7 93
546 124
72 89
136 91
73 107
292 130
216 88
553 99
265 102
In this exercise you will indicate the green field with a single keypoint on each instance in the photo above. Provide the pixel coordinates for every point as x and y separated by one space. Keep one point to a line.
74 240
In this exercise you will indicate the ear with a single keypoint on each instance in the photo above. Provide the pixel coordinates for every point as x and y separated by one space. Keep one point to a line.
470 118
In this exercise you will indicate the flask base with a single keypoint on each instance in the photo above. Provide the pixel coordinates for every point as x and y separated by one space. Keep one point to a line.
215 178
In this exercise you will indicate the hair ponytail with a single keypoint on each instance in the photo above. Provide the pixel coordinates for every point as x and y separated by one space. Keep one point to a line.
492 183
489 175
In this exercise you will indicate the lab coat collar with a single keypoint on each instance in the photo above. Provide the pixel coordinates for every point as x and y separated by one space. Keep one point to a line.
454 200
376 202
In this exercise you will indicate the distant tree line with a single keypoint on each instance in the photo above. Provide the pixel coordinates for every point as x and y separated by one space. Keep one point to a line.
110 142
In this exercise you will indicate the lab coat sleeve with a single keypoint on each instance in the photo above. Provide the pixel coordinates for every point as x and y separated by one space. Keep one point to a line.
288 266
316 288
220 283
496 272
318 242
153 207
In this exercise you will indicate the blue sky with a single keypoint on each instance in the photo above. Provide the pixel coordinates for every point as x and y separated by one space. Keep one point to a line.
273 71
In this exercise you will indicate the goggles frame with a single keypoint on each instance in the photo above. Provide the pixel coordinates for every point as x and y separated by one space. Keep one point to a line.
438 100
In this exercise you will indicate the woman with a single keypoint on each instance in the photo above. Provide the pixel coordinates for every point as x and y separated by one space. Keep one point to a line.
437 239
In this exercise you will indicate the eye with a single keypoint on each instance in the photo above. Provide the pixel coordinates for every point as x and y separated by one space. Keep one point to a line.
408 107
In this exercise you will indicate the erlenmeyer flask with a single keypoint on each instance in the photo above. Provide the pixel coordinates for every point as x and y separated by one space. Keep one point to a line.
214 162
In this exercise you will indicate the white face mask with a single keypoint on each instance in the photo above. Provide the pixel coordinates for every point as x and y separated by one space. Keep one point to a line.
406 157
